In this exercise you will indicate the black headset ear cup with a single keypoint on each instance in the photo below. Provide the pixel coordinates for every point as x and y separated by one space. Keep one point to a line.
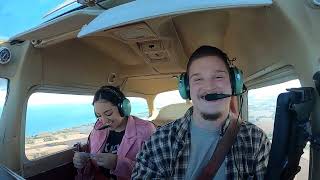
183 86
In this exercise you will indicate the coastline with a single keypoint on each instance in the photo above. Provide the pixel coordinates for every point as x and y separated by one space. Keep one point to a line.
47 143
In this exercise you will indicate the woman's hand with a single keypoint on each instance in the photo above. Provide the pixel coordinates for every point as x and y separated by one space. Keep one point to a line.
80 159
106 160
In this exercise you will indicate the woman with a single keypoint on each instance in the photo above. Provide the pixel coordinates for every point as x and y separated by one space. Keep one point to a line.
115 140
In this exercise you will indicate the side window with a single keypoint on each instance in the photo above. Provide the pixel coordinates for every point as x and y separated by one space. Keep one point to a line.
262 107
262 104
3 92
139 107
169 106
55 122
167 98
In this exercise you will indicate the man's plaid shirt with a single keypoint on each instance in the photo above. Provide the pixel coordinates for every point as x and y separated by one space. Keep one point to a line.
165 155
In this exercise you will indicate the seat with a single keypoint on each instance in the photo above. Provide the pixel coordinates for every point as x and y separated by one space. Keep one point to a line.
290 134
171 112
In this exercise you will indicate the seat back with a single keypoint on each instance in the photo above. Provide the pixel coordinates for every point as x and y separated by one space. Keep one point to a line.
280 139
291 133
171 112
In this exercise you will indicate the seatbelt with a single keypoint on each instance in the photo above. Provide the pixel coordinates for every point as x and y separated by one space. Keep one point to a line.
221 150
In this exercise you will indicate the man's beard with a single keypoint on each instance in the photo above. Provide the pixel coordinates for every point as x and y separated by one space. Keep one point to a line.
211 117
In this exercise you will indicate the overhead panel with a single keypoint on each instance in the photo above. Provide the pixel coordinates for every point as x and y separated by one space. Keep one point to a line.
154 51
149 45
134 33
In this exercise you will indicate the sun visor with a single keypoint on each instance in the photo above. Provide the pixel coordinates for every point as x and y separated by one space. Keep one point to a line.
137 11
59 26
274 74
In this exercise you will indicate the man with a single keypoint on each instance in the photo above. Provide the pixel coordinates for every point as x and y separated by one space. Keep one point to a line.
183 148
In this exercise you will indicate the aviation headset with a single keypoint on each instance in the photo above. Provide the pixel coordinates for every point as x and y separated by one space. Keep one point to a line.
124 105
236 79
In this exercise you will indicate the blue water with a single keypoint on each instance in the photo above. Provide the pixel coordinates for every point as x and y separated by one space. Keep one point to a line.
50 118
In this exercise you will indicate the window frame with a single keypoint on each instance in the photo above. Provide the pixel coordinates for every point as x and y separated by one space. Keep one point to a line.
34 167
6 96
146 101
51 132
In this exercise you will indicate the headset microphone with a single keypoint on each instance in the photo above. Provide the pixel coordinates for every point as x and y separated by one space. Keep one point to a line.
215 96
103 127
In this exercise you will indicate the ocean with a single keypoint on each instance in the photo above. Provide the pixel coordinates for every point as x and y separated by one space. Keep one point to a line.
51 118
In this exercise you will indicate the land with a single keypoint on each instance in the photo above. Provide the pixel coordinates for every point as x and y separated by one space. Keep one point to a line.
48 143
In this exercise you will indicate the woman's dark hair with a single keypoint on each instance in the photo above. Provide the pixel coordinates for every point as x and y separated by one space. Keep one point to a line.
204 51
109 93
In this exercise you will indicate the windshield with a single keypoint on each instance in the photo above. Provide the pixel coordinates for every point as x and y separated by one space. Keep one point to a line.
22 15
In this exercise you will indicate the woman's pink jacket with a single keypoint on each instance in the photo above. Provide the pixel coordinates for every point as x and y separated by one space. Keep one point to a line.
137 131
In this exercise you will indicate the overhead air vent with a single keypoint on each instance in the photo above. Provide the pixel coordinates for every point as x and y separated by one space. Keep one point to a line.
154 51
112 78
5 55
135 32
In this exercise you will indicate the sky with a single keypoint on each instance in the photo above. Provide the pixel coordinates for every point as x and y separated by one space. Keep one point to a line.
20 15
163 99
274 90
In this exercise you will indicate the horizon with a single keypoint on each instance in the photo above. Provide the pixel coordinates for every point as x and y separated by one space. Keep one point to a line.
38 102
162 99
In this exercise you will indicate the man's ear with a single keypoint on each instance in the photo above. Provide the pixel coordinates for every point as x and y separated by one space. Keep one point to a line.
234 108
